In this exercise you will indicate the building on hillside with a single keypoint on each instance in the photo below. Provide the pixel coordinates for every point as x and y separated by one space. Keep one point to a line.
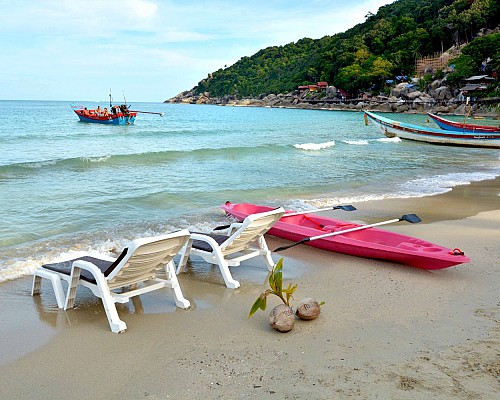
476 83
313 88
344 95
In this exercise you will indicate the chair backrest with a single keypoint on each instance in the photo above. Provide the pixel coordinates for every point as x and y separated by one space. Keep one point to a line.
145 256
252 227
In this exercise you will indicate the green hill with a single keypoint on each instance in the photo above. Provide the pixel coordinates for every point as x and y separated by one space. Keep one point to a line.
365 56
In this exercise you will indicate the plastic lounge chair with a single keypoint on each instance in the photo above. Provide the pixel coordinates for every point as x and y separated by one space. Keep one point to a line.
241 241
136 265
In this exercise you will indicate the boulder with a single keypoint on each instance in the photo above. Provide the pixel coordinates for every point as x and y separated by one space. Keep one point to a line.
331 92
402 108
383 107
414 95
443 93
435 84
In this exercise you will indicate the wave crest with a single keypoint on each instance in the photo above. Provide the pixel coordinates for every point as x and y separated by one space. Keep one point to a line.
314 146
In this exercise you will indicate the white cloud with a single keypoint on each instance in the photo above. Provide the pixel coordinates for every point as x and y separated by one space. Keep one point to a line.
142 8
59 49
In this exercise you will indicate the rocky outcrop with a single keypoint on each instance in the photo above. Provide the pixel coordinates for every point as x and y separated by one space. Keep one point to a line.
403 98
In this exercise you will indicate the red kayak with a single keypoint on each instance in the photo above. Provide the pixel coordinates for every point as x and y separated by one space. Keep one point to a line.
369 243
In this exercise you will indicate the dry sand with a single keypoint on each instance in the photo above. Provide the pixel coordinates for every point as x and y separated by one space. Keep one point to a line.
386 331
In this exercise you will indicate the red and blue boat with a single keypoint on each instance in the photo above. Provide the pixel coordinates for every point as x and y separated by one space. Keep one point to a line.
391 128
116 115
448 125
371 242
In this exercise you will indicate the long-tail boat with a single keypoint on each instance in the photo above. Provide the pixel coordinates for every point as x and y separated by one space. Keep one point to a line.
448 125
391 128
117 115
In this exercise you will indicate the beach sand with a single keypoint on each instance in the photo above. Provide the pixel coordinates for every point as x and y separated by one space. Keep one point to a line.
386 331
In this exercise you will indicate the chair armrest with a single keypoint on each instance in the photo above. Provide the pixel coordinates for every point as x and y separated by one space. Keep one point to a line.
87 265
233 227
205 238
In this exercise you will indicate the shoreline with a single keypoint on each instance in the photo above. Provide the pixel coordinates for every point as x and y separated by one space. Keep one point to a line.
481 108
386 330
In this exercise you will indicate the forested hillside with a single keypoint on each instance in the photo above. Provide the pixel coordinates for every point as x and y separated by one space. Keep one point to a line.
385 45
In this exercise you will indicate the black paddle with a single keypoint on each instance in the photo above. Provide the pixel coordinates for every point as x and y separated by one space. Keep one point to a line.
411 218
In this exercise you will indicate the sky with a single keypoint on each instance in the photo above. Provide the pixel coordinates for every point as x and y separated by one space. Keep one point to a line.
149 50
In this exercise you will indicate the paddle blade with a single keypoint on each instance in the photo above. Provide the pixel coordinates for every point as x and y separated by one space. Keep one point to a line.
219 228
411 218
291 245
345 208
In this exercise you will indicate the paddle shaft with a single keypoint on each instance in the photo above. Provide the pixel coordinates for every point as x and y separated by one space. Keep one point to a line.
338 233
358 228
309 211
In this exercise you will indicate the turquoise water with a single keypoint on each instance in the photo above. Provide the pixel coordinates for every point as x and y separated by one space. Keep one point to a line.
67 186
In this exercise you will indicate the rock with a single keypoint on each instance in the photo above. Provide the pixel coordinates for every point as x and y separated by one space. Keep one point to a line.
308 309
441 109
383 107
443 93
435 84
331 92
281 318
414 95
361 105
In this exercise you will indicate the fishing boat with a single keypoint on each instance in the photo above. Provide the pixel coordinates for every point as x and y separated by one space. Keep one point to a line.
448 125
354 239
117 115
391 128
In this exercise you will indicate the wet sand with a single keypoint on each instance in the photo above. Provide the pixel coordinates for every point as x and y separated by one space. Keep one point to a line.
386 331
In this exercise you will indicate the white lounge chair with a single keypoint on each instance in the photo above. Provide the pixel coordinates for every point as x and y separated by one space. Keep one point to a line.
134 272
241 241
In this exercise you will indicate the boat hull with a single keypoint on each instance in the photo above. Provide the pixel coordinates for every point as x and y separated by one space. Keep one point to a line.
115 119
462 127
418 133
368 243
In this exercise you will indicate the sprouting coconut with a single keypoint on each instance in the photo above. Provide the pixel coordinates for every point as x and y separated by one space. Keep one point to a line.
282 318
308 309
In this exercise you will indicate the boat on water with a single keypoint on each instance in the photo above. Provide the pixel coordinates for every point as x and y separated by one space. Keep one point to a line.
448 125
117 115
391 128
368 243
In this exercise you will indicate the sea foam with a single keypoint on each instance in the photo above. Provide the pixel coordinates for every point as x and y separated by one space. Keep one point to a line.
314 146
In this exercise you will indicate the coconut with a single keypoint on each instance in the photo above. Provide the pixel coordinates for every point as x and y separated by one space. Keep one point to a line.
281 318
308 309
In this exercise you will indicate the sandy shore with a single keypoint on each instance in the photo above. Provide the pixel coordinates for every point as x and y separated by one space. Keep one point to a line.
386 331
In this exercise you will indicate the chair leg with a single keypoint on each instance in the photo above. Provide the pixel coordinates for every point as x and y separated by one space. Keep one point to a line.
180 300
37 284
184 254
267 253
224 269
56 285
72 287
115 323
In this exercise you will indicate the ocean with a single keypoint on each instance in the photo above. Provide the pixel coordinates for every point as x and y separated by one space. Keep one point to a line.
67 187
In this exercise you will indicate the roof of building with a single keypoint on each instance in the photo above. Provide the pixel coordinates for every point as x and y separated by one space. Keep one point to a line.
472 86
479 78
